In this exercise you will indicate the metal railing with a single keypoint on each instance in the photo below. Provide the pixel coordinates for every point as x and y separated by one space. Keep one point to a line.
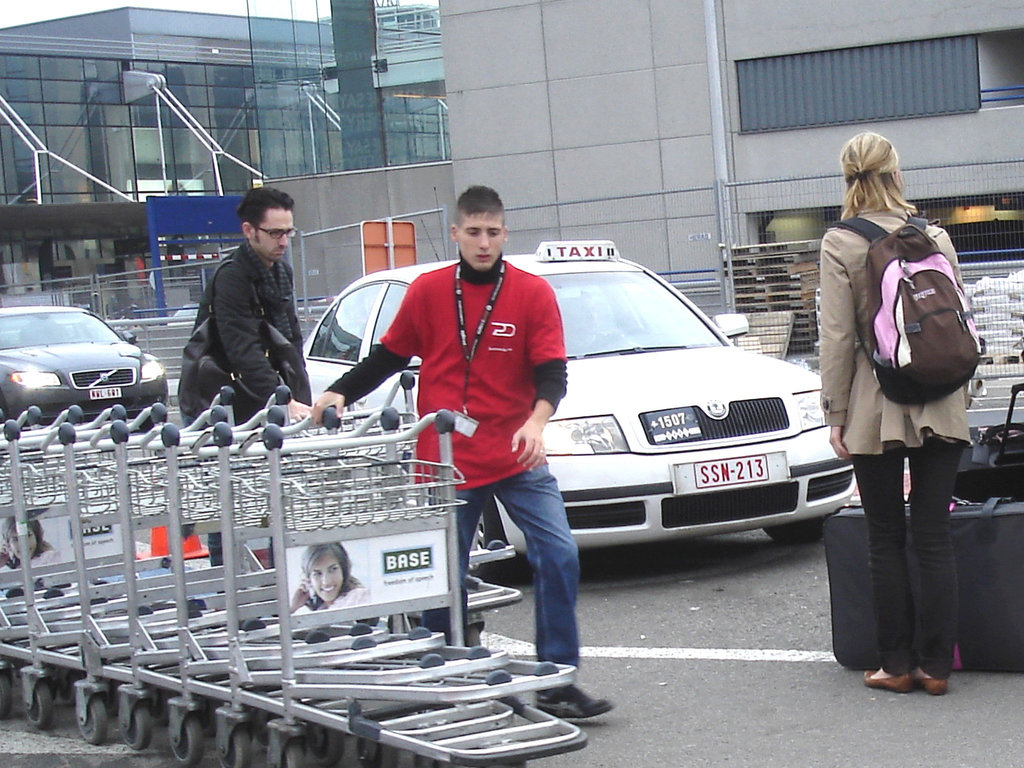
1003 94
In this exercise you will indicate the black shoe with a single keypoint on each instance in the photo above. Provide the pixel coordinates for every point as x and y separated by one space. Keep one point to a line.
571 703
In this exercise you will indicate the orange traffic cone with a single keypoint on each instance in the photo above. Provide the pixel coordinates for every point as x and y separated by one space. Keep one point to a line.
192 548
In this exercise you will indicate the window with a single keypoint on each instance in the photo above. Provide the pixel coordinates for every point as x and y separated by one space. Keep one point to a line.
876 82
341 334
62 69
388 310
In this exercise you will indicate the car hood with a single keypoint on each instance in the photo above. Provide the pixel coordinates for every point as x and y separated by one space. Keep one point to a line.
84 356
628 384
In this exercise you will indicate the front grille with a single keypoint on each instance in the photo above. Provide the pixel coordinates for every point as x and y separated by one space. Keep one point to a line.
725 506
746 417
121 377
830 485
606 515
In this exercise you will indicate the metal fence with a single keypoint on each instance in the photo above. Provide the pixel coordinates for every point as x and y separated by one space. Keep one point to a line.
674 232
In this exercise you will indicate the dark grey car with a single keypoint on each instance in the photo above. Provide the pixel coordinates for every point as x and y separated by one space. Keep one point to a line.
54 357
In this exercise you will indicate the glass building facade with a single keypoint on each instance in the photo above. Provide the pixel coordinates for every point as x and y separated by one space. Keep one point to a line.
299 87
345 85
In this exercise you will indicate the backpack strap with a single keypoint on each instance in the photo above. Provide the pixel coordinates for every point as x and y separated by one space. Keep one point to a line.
208 293
871 231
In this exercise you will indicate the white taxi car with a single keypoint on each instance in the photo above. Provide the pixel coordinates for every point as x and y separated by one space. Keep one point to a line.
668 430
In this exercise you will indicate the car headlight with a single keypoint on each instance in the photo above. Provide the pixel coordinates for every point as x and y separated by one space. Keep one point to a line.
573 437
35 379
152 369
809 406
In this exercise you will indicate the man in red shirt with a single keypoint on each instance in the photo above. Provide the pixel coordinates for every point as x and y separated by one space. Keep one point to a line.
490 339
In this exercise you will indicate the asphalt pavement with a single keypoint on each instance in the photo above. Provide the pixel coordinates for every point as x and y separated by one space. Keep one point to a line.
717 653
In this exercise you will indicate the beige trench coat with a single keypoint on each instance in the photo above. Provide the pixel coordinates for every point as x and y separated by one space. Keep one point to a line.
850 395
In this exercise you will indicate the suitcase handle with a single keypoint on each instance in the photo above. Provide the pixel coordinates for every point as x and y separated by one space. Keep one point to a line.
1015 390
989 507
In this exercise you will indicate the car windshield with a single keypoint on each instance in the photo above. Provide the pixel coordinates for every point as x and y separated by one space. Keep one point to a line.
45 329
608 313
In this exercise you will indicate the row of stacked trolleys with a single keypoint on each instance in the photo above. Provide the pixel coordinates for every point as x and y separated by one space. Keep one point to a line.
216 655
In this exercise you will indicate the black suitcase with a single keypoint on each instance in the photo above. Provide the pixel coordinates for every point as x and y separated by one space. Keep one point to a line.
994 465
988 540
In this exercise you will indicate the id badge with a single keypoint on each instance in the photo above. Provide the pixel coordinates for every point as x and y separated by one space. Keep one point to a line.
465 425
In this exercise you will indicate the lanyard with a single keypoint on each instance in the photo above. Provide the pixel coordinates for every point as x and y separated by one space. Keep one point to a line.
469 350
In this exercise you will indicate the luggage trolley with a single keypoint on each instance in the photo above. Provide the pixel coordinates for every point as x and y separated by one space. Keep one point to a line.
33 494
204 483
396 515
56 600
386 689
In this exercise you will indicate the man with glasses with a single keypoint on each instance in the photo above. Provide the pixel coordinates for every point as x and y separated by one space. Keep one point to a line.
253 284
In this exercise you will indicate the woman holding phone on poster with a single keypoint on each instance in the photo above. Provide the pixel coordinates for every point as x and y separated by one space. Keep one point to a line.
327 581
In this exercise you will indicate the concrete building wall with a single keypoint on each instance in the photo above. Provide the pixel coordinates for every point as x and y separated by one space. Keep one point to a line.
593 119
778 27
556 101
577 99
326 263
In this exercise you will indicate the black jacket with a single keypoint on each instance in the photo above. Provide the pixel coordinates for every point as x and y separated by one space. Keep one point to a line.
239 314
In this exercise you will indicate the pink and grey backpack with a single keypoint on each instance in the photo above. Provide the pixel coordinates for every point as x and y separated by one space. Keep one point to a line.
923 341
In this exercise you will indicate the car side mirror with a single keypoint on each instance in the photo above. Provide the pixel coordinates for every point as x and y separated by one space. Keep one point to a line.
732 324
129 336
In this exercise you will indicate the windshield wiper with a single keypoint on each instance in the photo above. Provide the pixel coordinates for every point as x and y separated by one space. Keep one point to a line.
629 351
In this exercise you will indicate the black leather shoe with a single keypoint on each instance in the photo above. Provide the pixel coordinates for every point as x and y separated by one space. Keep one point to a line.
896 683
571 703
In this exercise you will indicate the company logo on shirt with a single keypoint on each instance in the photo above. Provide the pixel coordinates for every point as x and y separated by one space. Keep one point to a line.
503 330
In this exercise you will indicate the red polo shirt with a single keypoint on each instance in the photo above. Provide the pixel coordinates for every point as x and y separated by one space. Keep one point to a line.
523 331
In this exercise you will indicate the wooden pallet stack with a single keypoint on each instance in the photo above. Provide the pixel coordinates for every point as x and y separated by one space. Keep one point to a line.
775 286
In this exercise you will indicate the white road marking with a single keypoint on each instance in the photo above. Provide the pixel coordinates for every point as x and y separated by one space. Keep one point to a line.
520 648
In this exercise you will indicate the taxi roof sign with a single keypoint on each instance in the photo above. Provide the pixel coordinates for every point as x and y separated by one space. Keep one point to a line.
577 250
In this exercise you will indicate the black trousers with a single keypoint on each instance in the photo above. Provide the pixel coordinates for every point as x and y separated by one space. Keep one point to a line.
911 632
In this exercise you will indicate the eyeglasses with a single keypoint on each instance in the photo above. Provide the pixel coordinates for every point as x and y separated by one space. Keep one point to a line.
277 234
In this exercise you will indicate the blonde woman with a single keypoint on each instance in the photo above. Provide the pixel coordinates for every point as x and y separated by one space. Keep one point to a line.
915 633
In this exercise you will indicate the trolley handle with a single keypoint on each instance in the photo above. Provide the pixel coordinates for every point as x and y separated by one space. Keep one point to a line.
107 415
73 414
157 412
30 416
443 421
219 410
281 397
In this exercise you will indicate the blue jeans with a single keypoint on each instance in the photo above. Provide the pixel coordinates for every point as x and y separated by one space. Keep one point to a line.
534 503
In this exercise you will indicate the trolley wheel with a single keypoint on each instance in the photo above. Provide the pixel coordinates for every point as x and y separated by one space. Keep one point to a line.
139 732
324 746
239 752
294 755
373 754
97 717
188 743
6 695
41 708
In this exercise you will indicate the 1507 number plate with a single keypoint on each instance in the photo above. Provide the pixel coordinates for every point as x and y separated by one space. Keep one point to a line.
676 425
723 473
